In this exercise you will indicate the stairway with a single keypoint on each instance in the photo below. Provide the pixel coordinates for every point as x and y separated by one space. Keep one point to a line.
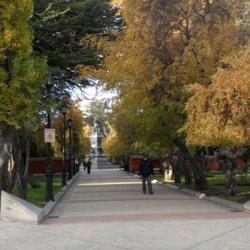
103 162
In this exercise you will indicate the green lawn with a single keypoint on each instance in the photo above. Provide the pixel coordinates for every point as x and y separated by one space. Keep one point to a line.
37 196
217 187
216 182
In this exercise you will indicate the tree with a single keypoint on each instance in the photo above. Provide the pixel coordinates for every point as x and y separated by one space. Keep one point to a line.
64 31
113 146
218 114
79 126
63 28
21 76
164 46
158 53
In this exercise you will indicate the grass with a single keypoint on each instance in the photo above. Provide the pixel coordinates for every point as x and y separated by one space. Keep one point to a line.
158 177
216 182
217 187
37 196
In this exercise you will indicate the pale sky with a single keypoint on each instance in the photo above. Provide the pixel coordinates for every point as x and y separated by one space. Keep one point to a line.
92 94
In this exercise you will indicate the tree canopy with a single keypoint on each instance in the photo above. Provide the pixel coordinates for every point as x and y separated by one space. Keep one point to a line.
21 74
164 46
219 114
21 77
62 27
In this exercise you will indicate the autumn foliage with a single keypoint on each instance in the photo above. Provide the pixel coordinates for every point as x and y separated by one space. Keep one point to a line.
164 47
219 114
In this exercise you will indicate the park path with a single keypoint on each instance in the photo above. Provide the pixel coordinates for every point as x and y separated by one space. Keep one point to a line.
107 211
113 195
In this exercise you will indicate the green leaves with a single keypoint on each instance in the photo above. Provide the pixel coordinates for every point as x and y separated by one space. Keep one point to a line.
21 74
49 14
165 46
60 26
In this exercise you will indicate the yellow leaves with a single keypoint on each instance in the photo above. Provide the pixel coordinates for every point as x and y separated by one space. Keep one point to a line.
117 3
15 30
7 36
219 115
84 139
113 146
79 126
158 53
209 131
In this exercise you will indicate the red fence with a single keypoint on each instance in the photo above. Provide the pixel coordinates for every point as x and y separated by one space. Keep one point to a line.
214 165
211 163
134 163
39 165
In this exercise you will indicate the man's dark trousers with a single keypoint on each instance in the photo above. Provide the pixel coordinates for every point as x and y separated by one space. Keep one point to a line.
147 179
88 169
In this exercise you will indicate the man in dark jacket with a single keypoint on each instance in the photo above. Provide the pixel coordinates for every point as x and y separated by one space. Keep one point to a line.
89 164
146 172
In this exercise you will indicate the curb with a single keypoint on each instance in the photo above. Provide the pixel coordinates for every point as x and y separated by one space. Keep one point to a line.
46 210
185 190
133 175
226 203
214 199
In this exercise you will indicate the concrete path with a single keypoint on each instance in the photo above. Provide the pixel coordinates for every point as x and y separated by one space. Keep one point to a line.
107 210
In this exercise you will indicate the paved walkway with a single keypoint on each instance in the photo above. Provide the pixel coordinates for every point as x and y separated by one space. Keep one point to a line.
107 210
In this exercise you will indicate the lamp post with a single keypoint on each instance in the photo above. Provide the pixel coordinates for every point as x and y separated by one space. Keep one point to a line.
70 148
74 152
63 147
49 170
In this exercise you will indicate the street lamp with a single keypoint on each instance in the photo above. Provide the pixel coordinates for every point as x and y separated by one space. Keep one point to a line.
49 170
74 152
70 148
63 147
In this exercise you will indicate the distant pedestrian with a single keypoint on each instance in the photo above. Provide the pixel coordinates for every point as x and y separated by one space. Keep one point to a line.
146 171
89 164
85 165
126 165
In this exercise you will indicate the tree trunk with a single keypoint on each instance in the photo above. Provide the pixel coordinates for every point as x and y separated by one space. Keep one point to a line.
199 168
188 173
177 163
22 162
14 160
193 166
7 168
227 159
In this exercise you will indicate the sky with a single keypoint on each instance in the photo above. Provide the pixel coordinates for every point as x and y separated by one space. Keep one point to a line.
91 94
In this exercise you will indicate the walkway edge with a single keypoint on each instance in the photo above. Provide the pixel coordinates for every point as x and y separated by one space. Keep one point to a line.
217 200
51 204
226 203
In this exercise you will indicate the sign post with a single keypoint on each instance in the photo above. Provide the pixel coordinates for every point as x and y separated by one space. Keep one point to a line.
49 135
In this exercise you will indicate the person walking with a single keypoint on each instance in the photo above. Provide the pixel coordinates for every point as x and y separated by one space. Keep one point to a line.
85 165
146 171
89 164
